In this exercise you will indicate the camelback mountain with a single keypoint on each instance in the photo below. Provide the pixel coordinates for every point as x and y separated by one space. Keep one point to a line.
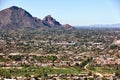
15 18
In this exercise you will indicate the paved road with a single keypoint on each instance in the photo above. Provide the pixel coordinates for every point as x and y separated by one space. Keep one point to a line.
96 73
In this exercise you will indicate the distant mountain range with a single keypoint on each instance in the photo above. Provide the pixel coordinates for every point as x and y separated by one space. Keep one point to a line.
101 26
15 18
107 25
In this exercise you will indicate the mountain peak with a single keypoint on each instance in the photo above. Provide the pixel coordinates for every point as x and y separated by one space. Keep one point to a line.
15 17
48 18
50 21
14 7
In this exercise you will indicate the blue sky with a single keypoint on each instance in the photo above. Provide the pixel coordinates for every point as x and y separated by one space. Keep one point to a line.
74 12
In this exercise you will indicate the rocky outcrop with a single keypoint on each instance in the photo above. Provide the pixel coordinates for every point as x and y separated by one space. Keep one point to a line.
51 22
67 26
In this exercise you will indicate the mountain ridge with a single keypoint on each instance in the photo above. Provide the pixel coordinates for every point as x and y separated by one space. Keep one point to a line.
16 17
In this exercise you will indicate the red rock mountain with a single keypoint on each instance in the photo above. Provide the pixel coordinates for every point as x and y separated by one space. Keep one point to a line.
50 22
15 17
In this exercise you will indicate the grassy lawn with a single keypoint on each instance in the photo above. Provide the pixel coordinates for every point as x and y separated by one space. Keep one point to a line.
103 70
39 70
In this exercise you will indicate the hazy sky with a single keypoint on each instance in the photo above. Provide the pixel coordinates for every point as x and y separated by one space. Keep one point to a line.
74 12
